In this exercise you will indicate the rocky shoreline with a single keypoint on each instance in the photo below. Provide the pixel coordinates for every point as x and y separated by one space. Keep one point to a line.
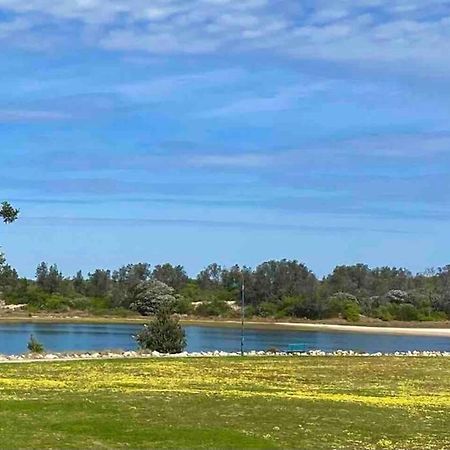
70 356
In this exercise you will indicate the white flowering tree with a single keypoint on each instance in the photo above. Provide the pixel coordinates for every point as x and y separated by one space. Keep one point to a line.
151 296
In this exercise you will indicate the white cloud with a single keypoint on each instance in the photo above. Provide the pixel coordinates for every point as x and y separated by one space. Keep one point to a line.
285 98
368 30
406 145
243 160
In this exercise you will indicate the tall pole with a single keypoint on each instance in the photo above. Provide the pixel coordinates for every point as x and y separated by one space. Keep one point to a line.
242 314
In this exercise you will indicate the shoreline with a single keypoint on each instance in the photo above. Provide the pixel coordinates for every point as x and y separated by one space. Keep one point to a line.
409 329
363 329
139 355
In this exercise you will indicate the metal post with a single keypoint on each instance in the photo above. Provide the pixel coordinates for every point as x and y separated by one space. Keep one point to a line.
242 315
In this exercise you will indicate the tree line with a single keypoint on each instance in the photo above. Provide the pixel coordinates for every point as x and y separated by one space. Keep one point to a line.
279 289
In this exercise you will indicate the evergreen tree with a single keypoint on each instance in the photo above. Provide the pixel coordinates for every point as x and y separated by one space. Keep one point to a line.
163 334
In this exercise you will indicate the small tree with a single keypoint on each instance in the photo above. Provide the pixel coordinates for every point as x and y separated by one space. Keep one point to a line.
163 334
34 346
153 295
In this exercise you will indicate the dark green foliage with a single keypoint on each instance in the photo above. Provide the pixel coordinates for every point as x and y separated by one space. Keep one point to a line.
163 334
125 282
345 305
9 279
183 306
210 277
49 279
79 284
267 309
8 213
34 346
215 307
273 289
351 312
98 283
274 280
173 276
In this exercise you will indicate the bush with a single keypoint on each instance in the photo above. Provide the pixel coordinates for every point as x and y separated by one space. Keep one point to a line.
405 312
384 313
296 306
267 309
34 346
163 334
213 308
250 311
351 312
427 314
342 304
183 306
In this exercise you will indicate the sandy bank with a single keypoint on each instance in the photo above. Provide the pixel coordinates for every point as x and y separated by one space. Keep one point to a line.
411 329
445 332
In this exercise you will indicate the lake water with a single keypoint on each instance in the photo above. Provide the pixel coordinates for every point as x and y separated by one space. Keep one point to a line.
76 336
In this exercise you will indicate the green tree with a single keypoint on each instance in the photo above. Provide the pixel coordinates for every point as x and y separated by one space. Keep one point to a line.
79 283
99 283
274 280
345 305
125 282
49 278
210 277
173 276
163 334
34 346
9 278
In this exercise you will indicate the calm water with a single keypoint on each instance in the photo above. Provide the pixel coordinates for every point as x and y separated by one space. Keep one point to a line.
66 337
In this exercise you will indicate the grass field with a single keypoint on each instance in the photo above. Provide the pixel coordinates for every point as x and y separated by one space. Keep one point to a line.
310 403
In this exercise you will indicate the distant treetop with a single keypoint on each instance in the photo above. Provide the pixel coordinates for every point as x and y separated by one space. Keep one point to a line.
8 213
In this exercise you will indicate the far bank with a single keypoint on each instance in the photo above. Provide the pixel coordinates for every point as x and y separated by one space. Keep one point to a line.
366 327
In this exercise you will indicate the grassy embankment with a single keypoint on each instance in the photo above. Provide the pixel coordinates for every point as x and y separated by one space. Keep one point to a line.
309 403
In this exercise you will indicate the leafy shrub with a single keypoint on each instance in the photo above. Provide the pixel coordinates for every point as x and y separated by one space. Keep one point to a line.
351 311
183 306
213 308
250 311
34 346
163 334
384 313
267 309
299 306
344 305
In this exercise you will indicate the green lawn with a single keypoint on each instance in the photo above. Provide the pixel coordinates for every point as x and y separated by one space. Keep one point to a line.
308 403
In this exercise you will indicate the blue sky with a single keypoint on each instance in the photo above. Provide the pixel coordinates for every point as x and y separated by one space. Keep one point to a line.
224 130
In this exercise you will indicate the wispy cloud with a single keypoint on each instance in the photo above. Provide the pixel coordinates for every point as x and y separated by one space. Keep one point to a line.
108 221
367 31
14 115
284 98
390 145
246 160
169 86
